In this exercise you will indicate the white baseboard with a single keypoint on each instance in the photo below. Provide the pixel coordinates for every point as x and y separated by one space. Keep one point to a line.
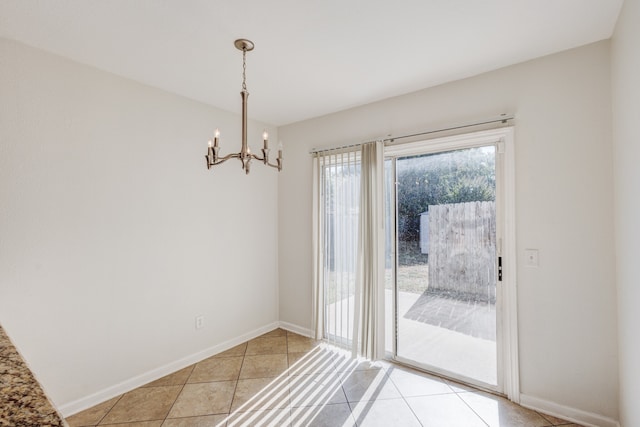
296 329
587 419
87 402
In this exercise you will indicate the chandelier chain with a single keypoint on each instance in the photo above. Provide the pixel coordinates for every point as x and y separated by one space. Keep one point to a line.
244 69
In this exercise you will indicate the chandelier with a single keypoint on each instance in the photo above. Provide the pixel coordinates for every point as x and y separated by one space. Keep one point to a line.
245 155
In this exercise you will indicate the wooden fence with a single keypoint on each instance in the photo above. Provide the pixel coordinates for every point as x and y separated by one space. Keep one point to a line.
462 250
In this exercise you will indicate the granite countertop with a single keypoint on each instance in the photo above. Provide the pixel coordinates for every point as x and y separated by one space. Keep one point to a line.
22 400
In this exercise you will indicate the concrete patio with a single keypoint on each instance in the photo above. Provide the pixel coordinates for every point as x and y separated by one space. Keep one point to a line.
445 338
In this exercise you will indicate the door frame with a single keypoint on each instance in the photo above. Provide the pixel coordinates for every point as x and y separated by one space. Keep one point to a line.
506 314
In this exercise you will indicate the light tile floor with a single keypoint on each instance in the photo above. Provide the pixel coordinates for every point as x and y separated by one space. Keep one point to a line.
284 379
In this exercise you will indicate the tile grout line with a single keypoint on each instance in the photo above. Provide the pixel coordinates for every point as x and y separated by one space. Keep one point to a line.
174 402
404 399
469 406
110 409
410 408
233 398
186 381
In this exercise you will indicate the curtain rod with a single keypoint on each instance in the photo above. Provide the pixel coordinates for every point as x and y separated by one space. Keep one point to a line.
503 118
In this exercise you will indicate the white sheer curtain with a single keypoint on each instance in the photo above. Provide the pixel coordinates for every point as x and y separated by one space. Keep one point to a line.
347 236
369 324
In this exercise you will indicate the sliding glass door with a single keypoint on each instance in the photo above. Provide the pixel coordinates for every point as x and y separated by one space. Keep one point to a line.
447 308
442 262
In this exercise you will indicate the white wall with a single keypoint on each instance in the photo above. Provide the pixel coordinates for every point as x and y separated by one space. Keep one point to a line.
625 59
564 177
113 234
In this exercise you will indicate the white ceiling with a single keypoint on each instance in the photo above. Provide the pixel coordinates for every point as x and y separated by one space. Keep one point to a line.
312 57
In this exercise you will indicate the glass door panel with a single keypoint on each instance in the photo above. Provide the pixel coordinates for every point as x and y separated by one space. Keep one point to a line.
445 262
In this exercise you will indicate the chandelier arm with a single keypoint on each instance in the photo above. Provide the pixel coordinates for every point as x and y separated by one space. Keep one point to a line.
267 162
225 158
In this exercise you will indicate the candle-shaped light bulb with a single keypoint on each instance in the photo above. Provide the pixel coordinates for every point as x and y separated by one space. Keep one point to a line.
210 143
216 135
265 138
249 150
280 146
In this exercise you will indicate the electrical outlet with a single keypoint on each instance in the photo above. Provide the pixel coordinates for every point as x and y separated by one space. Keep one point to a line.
199 322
